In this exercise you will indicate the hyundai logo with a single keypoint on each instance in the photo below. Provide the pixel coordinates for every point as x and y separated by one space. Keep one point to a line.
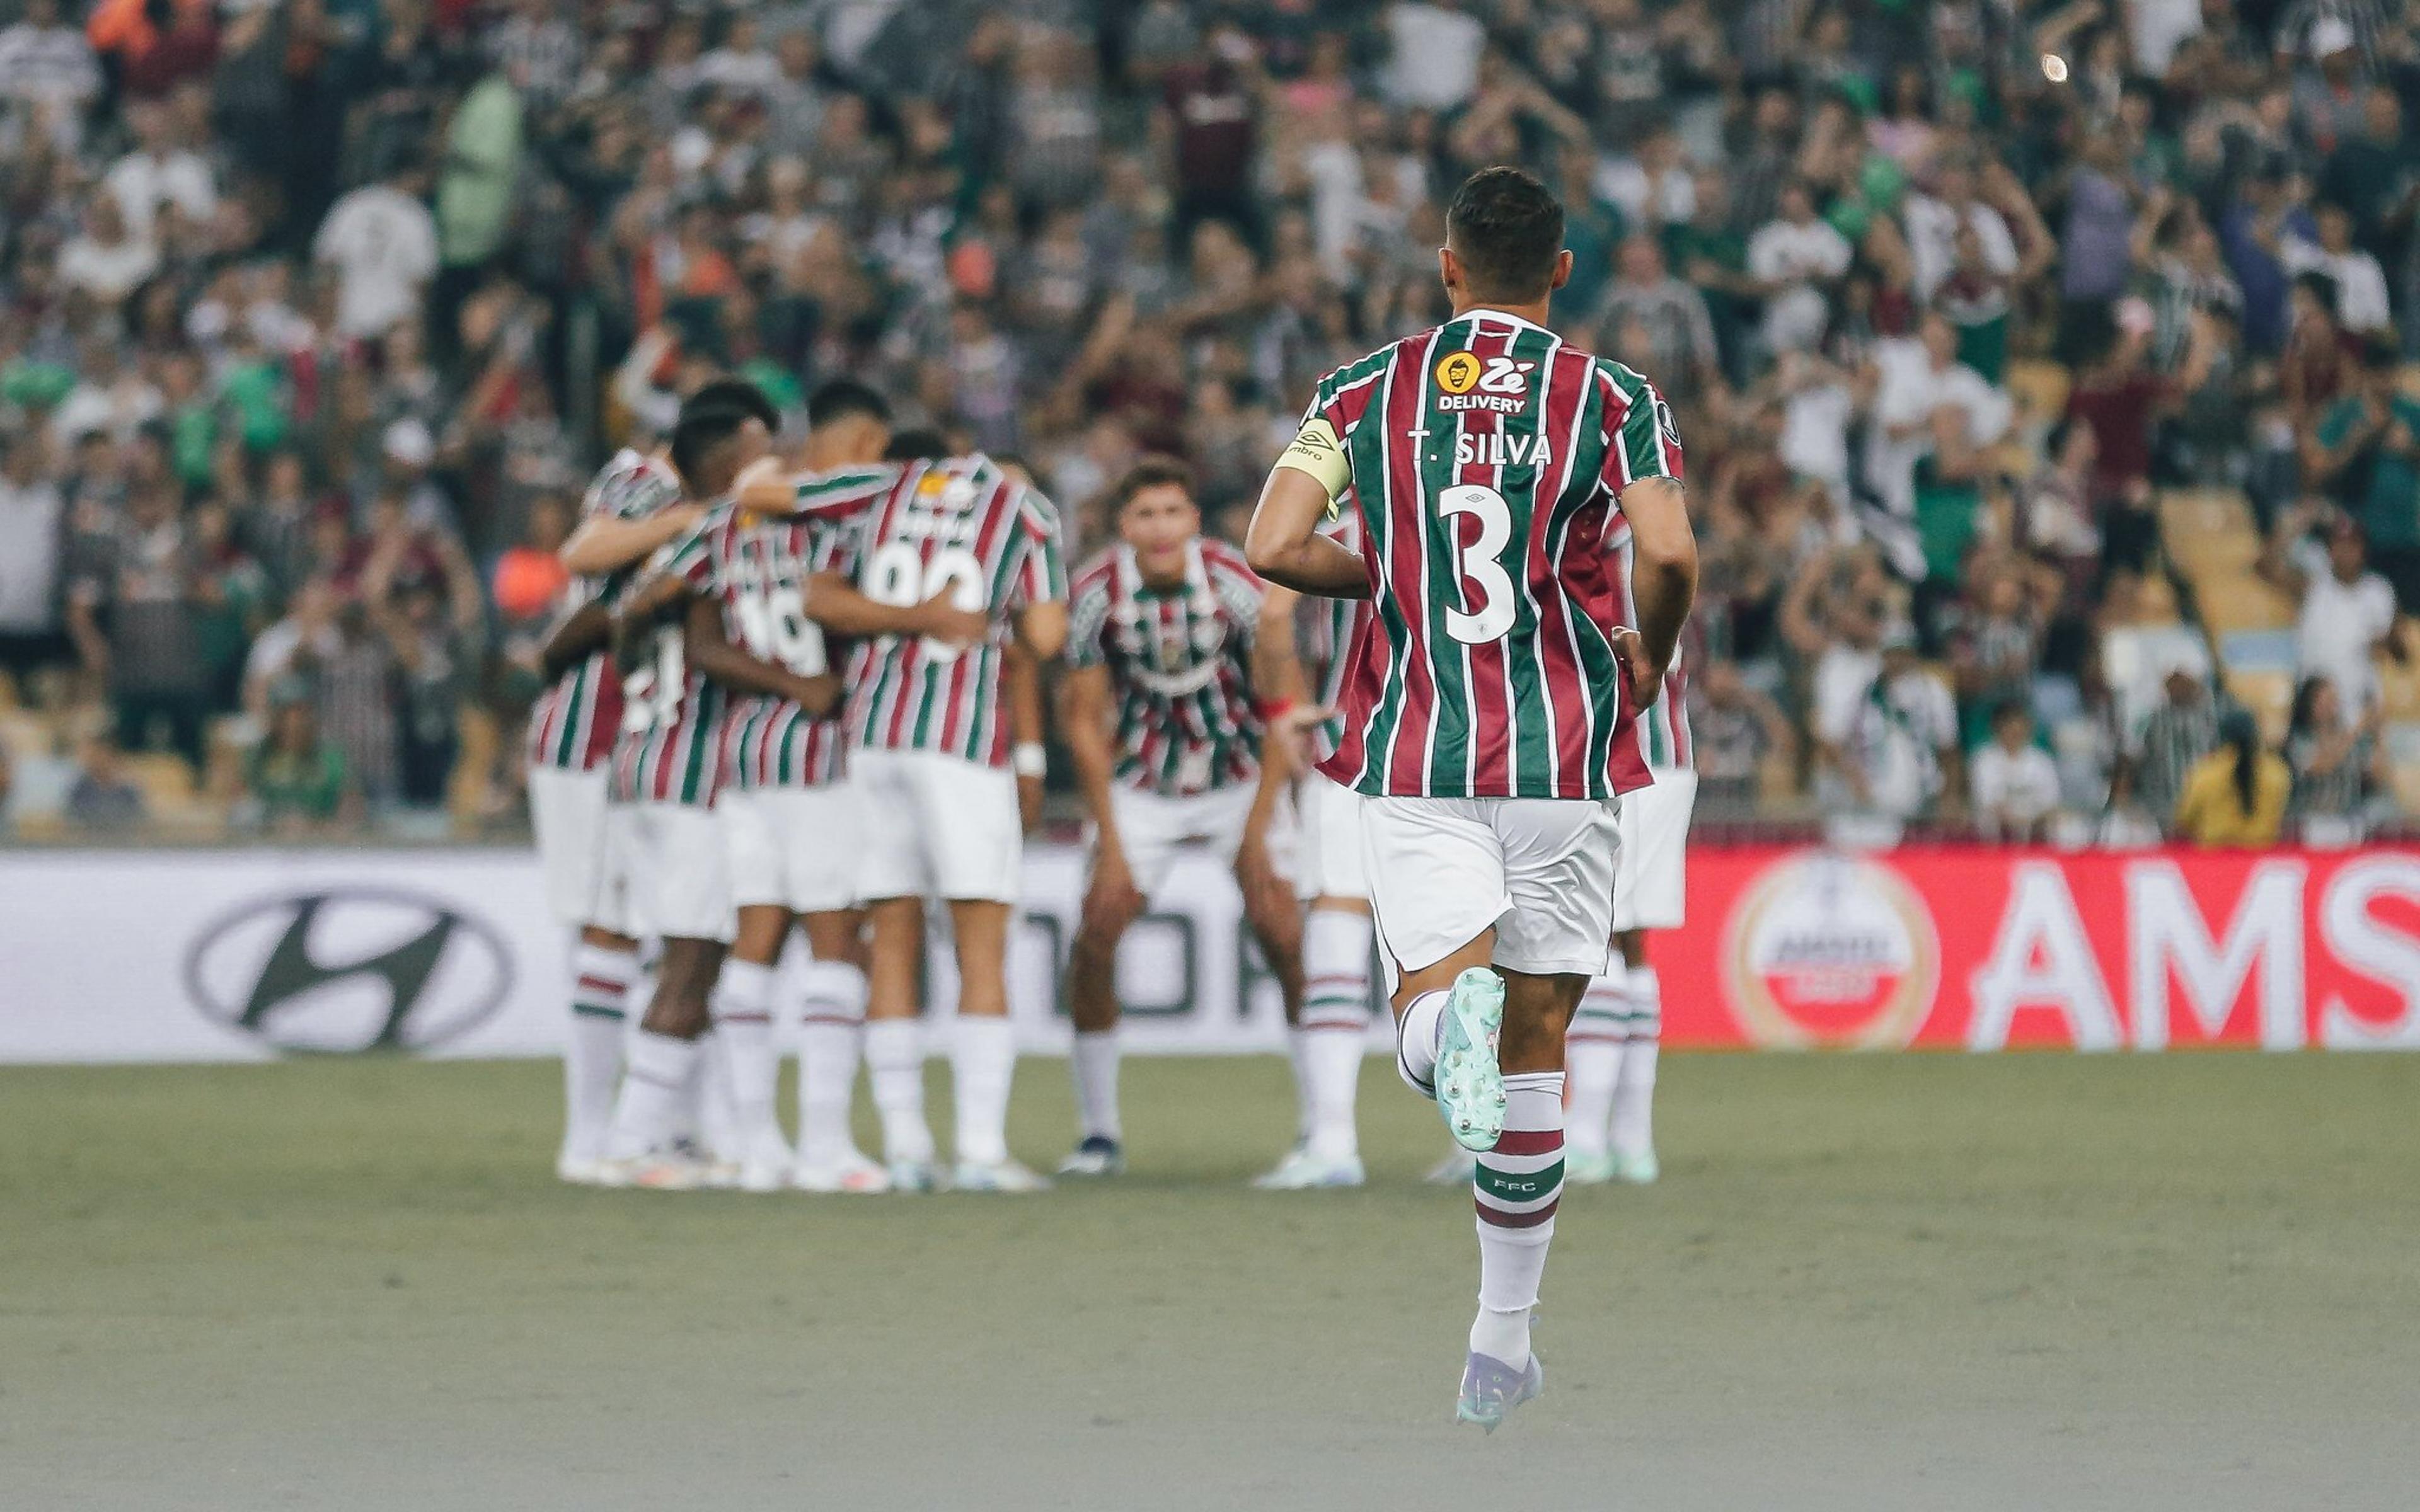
348 970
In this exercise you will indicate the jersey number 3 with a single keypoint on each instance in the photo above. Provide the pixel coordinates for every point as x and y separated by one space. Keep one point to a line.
1479 565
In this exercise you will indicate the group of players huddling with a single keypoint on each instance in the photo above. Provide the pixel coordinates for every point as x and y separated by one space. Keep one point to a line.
807 693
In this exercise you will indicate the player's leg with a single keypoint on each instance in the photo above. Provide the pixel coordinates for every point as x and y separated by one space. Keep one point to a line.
681 891
1092 979
893 881
983 1054
894 1040
1659 903
743 995
1334 1025
1592 1055
568 813
1437 889
832 1029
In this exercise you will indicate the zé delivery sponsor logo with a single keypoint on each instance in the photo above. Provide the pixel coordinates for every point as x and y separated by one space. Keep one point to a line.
1468 382
1826 950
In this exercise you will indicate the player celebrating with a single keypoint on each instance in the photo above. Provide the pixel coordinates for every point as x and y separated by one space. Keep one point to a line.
931 766
631 509
1489 705
1306 641
1161 643
1617 1031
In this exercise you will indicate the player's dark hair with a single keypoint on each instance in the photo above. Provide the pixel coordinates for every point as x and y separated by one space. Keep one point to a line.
712 415
1507 229
918 443
843 398
1149 472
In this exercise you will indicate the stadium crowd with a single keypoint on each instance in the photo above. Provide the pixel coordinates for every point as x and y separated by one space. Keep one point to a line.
2038 363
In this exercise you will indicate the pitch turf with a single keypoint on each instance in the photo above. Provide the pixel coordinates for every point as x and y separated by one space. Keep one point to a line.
2018 1282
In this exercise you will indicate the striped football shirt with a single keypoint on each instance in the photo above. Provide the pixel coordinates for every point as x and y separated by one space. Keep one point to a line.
771 742
1323 632
572 724
1663 725
959 524
669 750
1179 660
1486 457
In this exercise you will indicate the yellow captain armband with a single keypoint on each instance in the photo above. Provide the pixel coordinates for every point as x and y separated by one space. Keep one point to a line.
1315 450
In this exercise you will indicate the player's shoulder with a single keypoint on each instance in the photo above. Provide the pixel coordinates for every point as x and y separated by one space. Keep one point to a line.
1370 366
1096 575
1628 384
632 484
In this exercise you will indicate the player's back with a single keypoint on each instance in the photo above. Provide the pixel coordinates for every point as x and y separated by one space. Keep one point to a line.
573 723
772 742
670 746
958 525
1487 458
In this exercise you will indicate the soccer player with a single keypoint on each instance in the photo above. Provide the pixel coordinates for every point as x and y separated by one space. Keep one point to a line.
1159 711
631 509
1490 707
1307 640
1619 1027
930 762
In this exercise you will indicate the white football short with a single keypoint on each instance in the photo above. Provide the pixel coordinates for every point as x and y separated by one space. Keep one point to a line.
679 876
794 848
1650 889
584 878
936 827
1538 871
1151 826
1327 845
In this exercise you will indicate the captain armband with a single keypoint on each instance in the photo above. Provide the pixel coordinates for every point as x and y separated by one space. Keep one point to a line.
1316 451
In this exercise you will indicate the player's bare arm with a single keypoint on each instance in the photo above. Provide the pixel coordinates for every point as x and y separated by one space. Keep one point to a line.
709 649
1021 674
1085 701
606 543
1284 543
1664 583
1284 687
589 628
835 603
1042 629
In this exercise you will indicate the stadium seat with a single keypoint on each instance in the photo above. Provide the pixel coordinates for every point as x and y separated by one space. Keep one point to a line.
2040 389
2269 696
166 781
2239 601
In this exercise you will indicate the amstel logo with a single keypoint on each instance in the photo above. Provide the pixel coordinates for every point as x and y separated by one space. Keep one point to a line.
1457 372
1830 952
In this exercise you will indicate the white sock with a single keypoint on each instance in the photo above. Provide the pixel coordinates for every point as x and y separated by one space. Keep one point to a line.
655 1092
831 1022
894 1062
1592 1058
1518 1185
710 1118
982 1062
1298 1059
1416 1041
1332 1059
743 1020
1634 1097
592 1056
1093 1063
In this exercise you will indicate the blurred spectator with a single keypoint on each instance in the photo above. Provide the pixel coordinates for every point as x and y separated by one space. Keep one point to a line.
103 796
2364 452
2235 796
2013 784
132 611
1735 730
1886 730
33 544
2174 738
2348 611
2332 763
295 781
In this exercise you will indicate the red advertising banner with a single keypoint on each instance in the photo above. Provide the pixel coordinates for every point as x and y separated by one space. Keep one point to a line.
1991 949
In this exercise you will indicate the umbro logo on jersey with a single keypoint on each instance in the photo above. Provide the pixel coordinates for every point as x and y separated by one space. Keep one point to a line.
1469 383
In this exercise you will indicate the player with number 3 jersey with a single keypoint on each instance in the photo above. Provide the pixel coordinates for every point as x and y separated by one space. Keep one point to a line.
1490 706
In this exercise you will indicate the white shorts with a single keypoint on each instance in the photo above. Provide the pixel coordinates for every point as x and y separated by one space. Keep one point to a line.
1651 886
1538 871
679 877
936 827
794 848
1152 826
584 879
1328 850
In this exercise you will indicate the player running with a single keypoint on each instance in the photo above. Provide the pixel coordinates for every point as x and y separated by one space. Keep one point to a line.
1159 714
1618 1031
1305 640
631 509
1489 710
930 764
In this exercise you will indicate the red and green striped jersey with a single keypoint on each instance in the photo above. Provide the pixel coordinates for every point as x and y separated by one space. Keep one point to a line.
671 747
1486 460
1180 660
1664 726
1323 632
959 524
573 723
771 742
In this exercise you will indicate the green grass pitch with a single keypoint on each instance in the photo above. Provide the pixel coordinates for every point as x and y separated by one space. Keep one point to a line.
2189 1281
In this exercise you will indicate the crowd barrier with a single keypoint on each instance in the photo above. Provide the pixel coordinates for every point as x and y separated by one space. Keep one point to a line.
126 955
